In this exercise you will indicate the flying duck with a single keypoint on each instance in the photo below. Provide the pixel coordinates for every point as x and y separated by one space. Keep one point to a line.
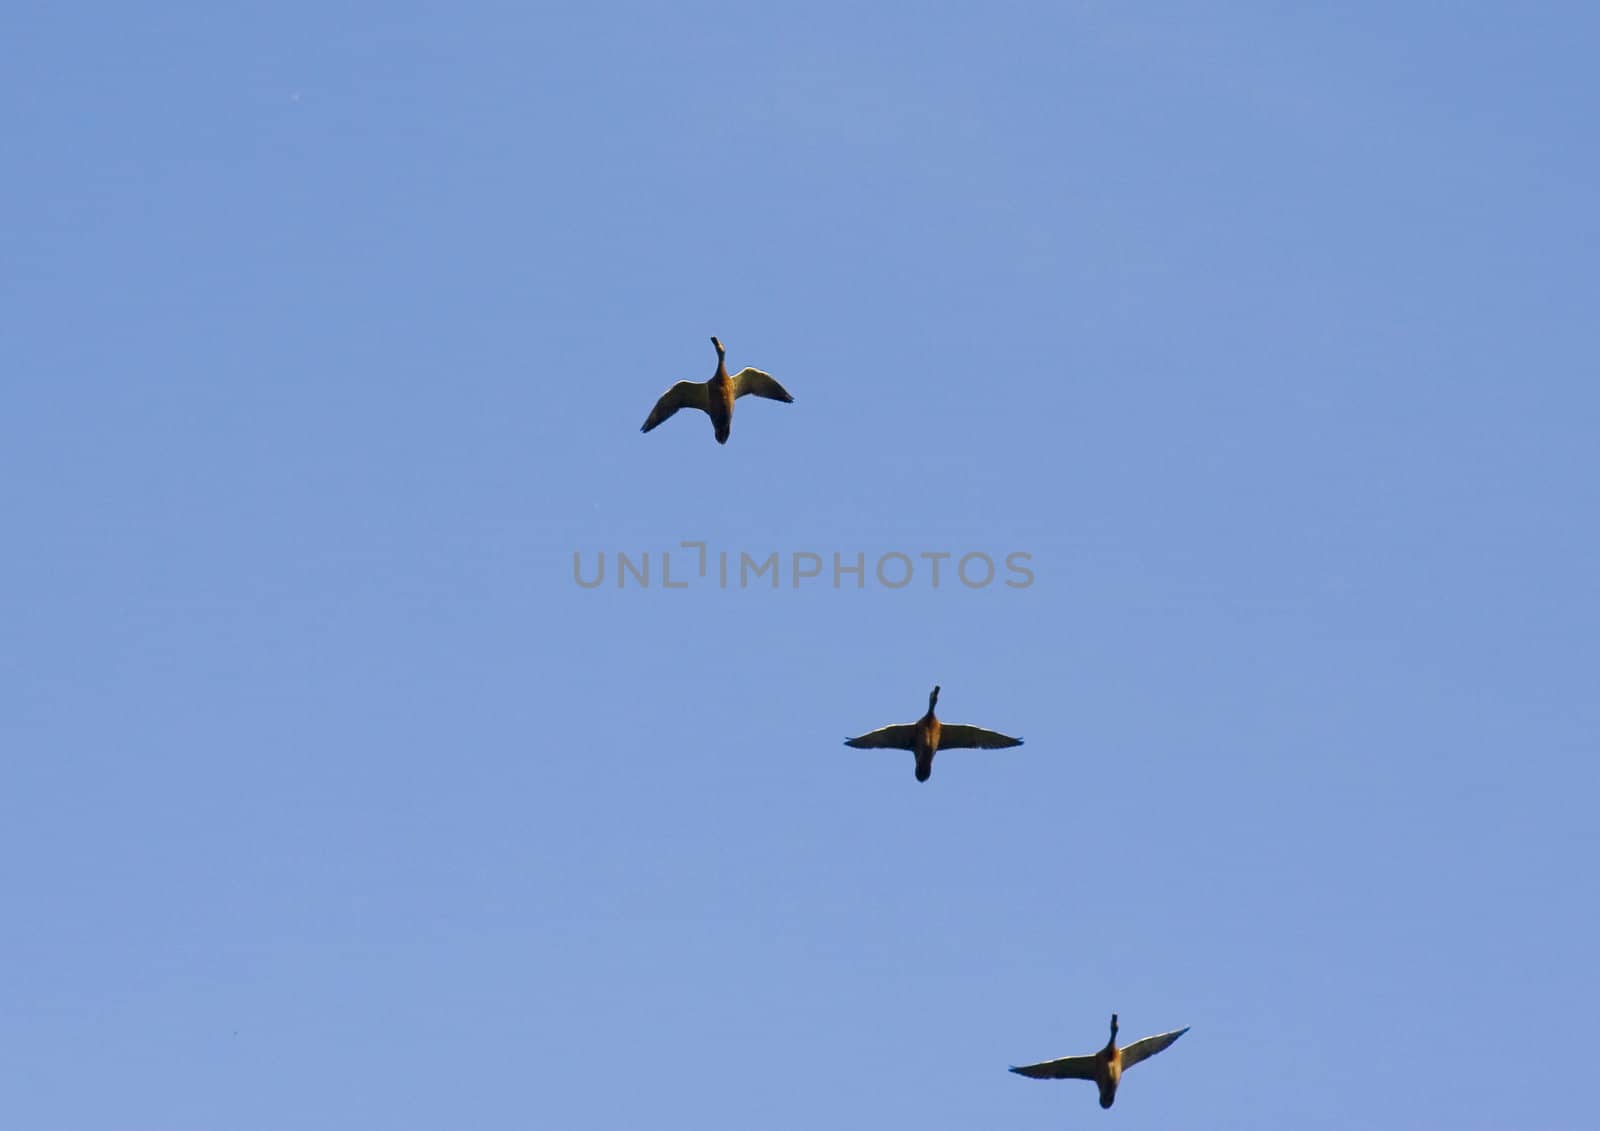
927 736
715 397
1105 1067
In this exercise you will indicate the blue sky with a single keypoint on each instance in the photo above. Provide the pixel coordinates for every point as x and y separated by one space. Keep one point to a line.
330 800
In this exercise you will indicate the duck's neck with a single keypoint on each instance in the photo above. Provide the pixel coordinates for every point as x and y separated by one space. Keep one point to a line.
933 699
1112 1042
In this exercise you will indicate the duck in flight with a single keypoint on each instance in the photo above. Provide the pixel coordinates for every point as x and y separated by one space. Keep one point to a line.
927 736
1105 1067
715 397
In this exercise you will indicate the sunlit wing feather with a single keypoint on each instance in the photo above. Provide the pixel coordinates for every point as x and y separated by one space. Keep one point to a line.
1147 1047
899 737
685 394
1067 1068
957 736
753 381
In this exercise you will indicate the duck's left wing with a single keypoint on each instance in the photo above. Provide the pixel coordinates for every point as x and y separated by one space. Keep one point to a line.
900 736
753 381
685 394
1067 1068
958 736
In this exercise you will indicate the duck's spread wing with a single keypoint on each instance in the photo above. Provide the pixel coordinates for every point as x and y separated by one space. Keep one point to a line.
685 394
753 381
1148 1047
958 736
898 737
1067 1068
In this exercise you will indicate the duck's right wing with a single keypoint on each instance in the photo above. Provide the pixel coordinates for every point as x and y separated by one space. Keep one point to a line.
685 394
748 381
1148 1047
899 737
1067 1068
959 736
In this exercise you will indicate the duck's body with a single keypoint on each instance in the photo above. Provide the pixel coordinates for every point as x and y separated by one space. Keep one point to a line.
719 400
925 743
1105 1067
715 397
927 736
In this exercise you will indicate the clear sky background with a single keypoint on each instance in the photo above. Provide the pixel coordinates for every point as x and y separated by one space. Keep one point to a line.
329 800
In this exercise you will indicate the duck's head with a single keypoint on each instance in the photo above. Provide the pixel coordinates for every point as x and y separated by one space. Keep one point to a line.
933 696
720 350
1113 1028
